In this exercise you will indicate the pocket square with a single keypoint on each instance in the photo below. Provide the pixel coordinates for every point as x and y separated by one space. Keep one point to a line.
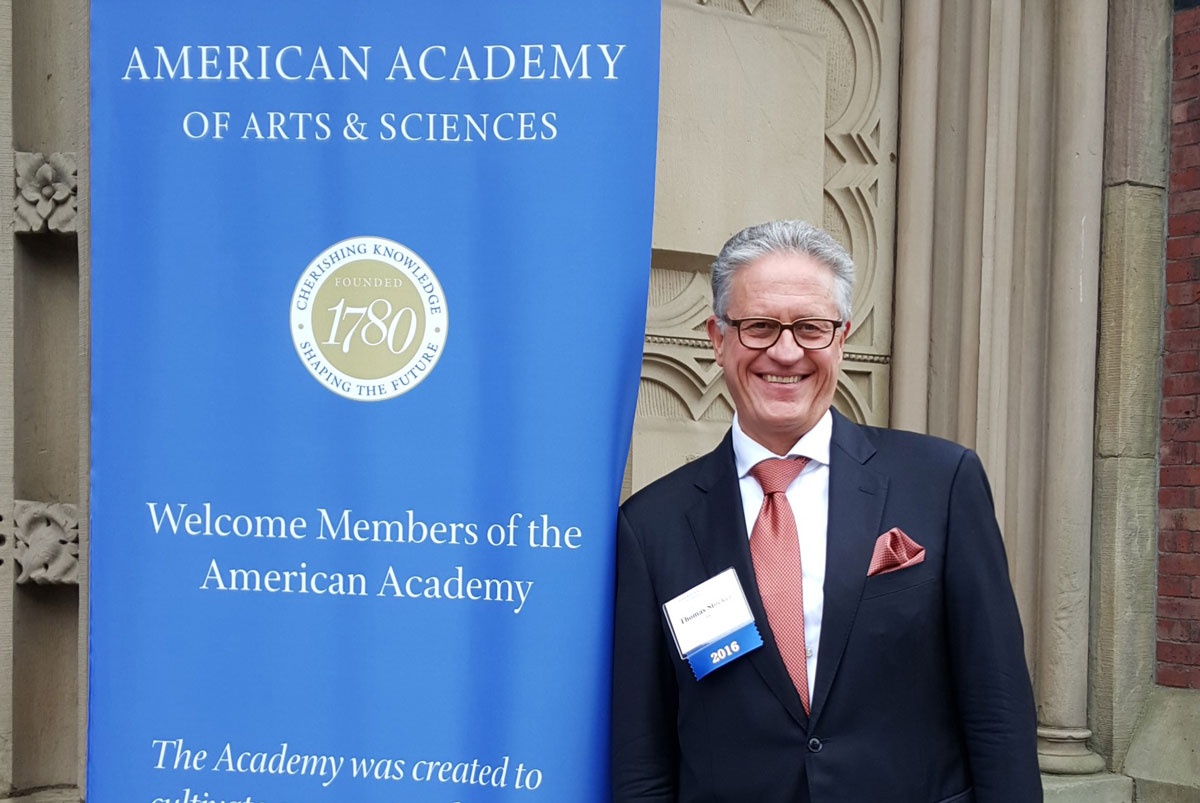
894 551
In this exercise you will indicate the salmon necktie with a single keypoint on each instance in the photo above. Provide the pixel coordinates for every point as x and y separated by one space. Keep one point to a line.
775 548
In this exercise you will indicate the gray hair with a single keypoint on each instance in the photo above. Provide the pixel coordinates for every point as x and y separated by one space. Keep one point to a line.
789 236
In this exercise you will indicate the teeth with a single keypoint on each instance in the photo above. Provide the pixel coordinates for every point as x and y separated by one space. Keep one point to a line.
784 380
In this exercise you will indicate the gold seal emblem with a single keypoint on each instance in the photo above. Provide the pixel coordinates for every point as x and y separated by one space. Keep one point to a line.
368 319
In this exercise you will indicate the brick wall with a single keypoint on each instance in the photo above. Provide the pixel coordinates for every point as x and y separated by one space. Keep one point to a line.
1179 462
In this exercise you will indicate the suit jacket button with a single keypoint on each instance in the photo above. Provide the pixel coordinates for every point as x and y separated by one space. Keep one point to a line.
814 745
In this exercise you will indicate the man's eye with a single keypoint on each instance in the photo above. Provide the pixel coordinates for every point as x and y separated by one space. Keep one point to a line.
759 327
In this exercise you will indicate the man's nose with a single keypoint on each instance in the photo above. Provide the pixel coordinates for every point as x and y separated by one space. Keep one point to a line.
786 348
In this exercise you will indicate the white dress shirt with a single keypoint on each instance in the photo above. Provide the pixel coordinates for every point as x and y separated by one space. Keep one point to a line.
808 496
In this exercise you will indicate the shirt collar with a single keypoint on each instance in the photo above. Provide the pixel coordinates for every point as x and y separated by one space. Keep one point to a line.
814 444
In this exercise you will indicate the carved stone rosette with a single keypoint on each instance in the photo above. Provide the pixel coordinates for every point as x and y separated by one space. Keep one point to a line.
47 542
45 193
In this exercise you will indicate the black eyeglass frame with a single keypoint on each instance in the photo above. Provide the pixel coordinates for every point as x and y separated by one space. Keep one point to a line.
736 323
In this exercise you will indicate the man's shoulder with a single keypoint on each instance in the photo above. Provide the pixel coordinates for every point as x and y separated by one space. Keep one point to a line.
915 443
676 487
913 456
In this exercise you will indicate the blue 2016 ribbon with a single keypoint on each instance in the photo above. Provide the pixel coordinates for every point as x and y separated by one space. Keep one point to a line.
716 654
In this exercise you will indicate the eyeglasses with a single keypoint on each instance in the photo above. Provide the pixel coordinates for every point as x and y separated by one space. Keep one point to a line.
762 333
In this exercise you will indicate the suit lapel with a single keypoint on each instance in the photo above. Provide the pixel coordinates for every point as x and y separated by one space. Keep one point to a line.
719 527
856 499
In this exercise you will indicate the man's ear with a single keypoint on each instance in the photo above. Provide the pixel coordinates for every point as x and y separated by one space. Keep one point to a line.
845 332
717 336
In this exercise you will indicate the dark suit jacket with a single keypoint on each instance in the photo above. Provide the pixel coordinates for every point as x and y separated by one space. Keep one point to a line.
922 694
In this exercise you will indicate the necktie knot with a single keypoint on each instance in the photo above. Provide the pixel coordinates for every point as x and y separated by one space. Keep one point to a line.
776 474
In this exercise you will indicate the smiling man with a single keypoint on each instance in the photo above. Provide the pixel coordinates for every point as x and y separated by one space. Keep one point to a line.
866 644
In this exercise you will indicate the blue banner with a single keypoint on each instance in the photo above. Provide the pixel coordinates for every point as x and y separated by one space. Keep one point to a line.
368 288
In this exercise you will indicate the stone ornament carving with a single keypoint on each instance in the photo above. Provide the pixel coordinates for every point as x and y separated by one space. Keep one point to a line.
46 193
859 167
858 187
47 542
677 356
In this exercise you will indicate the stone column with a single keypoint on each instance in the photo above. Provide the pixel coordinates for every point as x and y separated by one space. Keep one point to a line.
1071 360
7 574
972 248
80 42
1124 532
47 76
914 215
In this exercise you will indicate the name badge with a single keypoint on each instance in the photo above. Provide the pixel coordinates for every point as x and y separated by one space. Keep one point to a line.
712 623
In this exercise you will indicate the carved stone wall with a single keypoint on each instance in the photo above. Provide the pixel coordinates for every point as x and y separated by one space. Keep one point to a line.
43 400
739 143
